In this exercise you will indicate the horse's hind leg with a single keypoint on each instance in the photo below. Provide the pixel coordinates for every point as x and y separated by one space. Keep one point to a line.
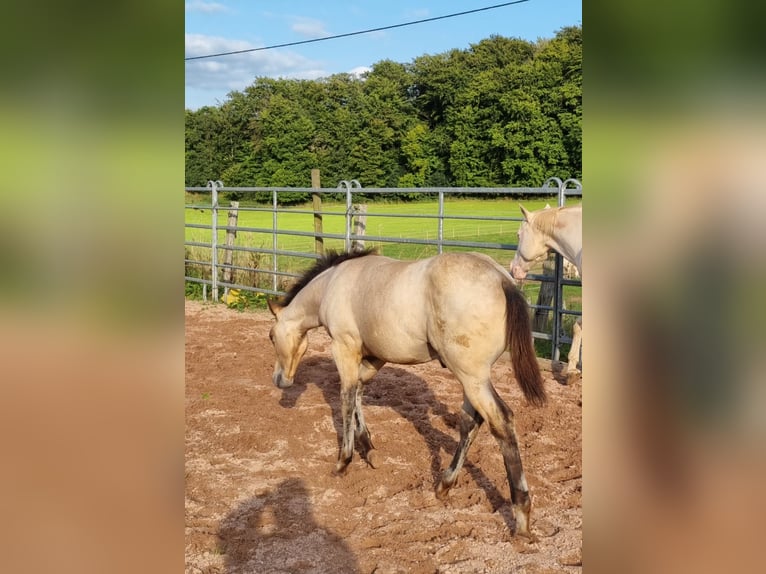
361 432
348 408
470 422
368 368
500 418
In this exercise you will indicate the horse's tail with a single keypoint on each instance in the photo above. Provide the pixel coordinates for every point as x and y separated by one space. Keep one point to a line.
523 357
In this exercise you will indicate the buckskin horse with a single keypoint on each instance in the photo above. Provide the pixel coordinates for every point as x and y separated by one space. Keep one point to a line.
459 308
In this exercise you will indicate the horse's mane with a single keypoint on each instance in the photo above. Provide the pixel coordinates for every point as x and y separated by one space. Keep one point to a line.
331 258
545 220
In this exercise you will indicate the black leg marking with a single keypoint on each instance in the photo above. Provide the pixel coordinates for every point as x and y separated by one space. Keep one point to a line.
470 423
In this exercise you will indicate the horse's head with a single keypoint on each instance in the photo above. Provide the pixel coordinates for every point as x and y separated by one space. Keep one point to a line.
532 246
290 344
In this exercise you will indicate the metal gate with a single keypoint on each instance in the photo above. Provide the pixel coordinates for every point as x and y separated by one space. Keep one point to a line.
280 247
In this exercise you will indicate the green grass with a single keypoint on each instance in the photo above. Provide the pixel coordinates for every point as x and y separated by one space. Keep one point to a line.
472 230
416 228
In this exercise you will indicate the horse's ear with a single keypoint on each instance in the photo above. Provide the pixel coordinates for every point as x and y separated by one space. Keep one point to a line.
275 307
524 212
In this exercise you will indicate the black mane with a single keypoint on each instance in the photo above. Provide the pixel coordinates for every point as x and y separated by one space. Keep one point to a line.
331 258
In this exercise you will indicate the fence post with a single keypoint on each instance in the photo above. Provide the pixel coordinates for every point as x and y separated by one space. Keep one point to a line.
558 299
316 201
228 254
274 242
440 229
360 226
344 184
560 261
544 297
214 185
563 189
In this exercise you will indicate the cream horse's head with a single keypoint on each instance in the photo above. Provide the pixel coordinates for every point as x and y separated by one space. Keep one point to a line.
290 344
532 245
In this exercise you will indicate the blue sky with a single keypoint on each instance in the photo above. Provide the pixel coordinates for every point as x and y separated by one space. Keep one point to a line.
214 26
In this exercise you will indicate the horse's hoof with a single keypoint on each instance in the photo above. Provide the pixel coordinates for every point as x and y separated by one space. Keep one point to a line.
442 490
528 536
522 531
372 459
573 377
521 517
340 469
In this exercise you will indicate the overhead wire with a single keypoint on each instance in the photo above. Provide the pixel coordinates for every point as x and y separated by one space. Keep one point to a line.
347 34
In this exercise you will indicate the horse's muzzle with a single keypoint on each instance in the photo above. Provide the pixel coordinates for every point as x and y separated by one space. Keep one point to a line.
281 381
518 273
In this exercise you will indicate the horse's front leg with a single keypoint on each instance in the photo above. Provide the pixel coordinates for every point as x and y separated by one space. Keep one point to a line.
347 361
574 352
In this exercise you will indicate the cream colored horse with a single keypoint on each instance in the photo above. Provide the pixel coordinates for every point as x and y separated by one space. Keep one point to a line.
560 229
459 308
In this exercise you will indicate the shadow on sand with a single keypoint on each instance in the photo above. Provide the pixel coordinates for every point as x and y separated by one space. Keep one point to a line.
411 397
276 532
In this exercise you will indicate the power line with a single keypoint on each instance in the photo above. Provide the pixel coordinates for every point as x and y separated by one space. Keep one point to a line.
359 32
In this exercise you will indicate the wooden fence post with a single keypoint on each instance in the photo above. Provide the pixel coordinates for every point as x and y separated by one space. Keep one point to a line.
316 201
360 226
228 254
545 296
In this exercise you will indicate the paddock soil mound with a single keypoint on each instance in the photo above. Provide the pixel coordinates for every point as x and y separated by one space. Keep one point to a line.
261 496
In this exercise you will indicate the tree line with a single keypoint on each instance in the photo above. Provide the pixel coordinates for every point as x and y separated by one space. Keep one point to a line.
504 112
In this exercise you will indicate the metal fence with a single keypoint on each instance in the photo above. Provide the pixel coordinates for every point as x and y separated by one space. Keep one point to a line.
278 251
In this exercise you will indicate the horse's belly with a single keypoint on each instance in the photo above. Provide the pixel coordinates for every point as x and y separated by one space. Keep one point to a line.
398 347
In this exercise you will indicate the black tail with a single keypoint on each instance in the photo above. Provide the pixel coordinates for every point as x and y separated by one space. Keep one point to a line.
523 357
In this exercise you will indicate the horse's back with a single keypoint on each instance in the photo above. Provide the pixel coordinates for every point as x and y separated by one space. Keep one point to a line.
412 311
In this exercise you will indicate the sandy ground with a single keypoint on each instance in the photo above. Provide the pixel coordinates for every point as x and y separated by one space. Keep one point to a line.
261 497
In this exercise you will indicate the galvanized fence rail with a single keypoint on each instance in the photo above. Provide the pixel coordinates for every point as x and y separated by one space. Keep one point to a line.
282 261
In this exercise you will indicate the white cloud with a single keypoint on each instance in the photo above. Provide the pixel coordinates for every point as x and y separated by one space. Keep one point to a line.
359 71
206 7
309 27
235 72
418 13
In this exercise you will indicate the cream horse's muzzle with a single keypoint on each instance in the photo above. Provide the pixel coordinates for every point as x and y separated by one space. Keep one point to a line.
518 273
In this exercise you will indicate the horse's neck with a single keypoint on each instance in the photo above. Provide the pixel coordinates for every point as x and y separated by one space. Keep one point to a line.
567 236
304 309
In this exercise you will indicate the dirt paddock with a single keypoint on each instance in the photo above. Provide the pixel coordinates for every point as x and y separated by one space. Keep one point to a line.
261 497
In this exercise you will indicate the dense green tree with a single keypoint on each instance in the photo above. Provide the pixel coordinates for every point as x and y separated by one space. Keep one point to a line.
504 112
203 158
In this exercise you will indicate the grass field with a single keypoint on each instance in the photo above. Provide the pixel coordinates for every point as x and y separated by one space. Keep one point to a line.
392 220
379 223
